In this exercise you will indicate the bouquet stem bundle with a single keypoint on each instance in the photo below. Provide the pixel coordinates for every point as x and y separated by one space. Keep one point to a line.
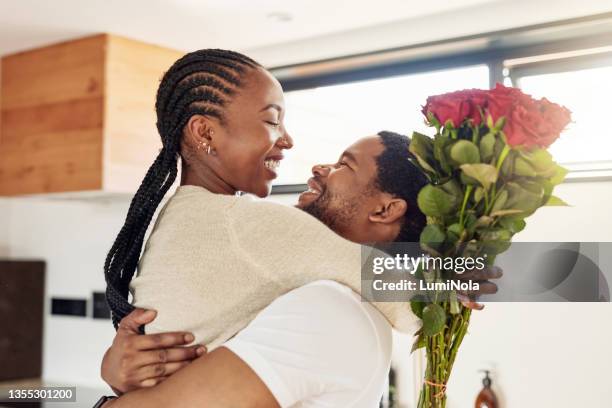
488 169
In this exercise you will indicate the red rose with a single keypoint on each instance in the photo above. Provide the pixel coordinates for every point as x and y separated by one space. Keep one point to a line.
457 107
529 122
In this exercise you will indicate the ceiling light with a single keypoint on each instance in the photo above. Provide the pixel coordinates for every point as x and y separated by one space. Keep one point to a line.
280 17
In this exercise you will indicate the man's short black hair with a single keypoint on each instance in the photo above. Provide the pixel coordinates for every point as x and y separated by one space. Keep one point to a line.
399 177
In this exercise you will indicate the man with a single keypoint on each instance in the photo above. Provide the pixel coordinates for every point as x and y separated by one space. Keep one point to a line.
318 345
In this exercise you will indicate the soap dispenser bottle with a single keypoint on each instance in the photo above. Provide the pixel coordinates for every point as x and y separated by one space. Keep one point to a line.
486 398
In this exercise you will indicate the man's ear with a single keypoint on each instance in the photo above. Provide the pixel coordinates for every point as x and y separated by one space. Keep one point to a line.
389 211
199 130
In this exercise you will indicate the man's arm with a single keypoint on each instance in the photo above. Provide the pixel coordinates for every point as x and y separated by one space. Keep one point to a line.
219 379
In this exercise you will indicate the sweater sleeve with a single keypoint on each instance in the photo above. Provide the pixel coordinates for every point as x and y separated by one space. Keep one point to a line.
293 248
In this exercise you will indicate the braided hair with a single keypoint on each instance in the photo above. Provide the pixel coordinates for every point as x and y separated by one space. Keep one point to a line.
199 83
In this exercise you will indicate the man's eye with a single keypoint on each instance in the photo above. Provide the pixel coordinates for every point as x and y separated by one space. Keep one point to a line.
342 163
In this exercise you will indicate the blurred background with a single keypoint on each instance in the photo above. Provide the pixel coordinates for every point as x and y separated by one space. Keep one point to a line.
77 134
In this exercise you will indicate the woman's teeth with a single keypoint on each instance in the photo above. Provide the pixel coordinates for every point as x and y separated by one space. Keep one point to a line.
271 164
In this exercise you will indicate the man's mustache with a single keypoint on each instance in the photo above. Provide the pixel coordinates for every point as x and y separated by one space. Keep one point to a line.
315 184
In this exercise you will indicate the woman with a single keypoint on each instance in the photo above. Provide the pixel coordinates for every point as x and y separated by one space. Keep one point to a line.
225 146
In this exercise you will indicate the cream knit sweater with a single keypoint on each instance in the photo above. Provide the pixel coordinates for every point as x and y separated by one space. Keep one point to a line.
212 262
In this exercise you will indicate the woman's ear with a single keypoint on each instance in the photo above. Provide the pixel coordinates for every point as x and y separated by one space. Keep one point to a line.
199 130
389 211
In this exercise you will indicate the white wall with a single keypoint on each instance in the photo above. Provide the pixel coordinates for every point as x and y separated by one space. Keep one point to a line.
73 238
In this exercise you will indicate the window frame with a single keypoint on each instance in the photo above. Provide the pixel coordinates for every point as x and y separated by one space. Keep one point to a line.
492 49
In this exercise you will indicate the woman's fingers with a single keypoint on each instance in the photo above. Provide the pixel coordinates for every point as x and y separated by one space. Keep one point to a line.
150 382
471 304
153 371
135 319
484 288
169 355
161 340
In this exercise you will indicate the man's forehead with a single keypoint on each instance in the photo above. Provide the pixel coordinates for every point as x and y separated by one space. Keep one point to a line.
365 148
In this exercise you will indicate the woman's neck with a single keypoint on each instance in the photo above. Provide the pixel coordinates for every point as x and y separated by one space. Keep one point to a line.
207 178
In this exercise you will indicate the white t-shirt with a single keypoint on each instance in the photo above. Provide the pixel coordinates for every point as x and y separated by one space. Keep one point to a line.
319 346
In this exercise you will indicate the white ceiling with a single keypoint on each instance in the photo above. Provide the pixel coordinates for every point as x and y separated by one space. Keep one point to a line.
193 24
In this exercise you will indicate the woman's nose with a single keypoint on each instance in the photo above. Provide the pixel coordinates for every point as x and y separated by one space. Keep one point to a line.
285 141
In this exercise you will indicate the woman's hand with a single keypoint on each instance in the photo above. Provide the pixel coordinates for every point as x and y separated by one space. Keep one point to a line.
134 361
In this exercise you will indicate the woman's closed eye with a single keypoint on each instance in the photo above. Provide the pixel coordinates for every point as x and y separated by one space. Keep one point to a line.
273 123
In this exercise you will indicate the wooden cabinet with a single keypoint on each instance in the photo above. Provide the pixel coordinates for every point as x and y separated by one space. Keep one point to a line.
80 115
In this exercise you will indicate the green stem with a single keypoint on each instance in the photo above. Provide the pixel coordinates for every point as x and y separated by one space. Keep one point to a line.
502 156
468 191
500 160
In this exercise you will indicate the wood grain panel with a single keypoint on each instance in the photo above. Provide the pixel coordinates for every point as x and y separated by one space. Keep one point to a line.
52 162
62 72
133 72
51 110
80 115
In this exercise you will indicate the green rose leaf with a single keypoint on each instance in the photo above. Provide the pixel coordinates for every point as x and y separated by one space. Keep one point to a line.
465 152
487 145
432 236
421 147
540 161
456 229
434 319
526 196
512 224
555 201
495 241
523 168
454 191
560 173
417 307
485 174
434 201
500 201
439 151
419 342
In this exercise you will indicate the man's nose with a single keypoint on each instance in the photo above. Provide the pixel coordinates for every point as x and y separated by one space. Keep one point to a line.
321 170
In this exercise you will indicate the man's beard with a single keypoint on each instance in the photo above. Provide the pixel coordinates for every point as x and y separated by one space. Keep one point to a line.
334 211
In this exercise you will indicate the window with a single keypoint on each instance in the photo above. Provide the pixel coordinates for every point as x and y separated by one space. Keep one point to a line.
324 121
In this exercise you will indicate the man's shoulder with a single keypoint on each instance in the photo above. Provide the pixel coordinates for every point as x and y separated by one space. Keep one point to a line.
334 309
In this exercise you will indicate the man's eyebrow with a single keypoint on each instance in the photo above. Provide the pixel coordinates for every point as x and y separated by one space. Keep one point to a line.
272 106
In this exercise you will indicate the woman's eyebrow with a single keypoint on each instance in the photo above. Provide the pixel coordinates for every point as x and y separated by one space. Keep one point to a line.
272 106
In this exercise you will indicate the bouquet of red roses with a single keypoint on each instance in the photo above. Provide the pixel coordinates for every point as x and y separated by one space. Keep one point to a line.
488 169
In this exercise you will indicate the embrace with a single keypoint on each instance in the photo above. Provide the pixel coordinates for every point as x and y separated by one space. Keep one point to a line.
271 291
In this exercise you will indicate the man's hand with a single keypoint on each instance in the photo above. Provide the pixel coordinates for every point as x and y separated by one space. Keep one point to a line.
135 361
486 287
